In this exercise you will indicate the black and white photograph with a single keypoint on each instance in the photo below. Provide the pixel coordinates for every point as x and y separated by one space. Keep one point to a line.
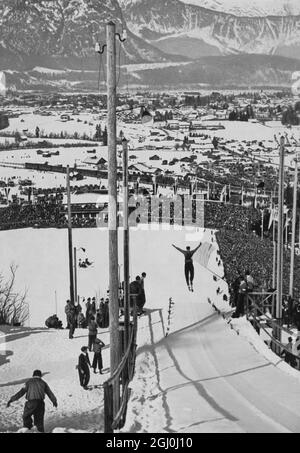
149 219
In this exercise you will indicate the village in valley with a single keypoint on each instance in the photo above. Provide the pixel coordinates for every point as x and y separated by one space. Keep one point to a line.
208 139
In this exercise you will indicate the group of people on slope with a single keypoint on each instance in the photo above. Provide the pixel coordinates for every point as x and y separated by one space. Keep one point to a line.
76 319
84 363
36 389
95 345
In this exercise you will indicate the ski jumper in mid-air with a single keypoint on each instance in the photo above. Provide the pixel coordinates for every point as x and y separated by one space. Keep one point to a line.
189 265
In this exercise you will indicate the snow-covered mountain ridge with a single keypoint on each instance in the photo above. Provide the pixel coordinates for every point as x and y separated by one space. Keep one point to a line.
174 25
242 8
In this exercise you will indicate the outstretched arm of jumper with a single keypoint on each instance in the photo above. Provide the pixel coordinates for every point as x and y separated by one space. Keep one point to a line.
195 250
177 248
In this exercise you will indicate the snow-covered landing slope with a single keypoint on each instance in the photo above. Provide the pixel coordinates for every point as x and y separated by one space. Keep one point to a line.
203 377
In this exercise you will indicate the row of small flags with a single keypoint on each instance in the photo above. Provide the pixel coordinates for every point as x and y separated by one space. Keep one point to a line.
274 216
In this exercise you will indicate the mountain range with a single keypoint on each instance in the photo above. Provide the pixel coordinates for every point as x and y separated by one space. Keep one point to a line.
190 38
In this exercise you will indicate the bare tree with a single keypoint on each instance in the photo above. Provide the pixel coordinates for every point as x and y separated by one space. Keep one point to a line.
13 306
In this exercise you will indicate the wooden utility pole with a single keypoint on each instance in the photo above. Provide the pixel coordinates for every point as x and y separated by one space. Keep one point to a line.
112 198
75 275
70 241
126 243
280 231
274 253
291 292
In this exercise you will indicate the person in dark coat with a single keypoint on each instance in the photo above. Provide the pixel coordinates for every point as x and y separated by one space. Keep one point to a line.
93 306
100 314
88 312
143 295
92 332
84 367
136 294
81 321
235 289
34 390
53 322
70 311
242 292
106 314
97 360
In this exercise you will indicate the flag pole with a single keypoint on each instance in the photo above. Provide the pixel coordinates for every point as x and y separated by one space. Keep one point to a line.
291 292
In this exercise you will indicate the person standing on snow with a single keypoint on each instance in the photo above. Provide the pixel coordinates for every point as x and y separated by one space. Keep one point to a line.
97 360
35 390
143 295
136 294
88 307
189 265
93 330
84 367
70 311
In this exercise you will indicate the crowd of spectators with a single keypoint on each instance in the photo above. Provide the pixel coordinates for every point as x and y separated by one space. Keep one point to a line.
45 213
229 216
240 251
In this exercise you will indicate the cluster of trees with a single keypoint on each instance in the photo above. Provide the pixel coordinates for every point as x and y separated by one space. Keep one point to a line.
42 134
101 135
241 115
167 115
13 305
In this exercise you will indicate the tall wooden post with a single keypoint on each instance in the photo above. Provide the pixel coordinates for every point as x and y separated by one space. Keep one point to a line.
75 275
126 243
70 241
280 231
112 197
262 224
274 254
291 292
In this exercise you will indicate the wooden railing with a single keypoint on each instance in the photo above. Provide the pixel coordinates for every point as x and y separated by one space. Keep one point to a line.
257 305
116 388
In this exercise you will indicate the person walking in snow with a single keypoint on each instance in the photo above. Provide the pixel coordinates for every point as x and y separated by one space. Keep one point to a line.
97 360
34 390
189 265
84 367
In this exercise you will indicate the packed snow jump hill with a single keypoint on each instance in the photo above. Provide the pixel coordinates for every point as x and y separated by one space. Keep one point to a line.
193 373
